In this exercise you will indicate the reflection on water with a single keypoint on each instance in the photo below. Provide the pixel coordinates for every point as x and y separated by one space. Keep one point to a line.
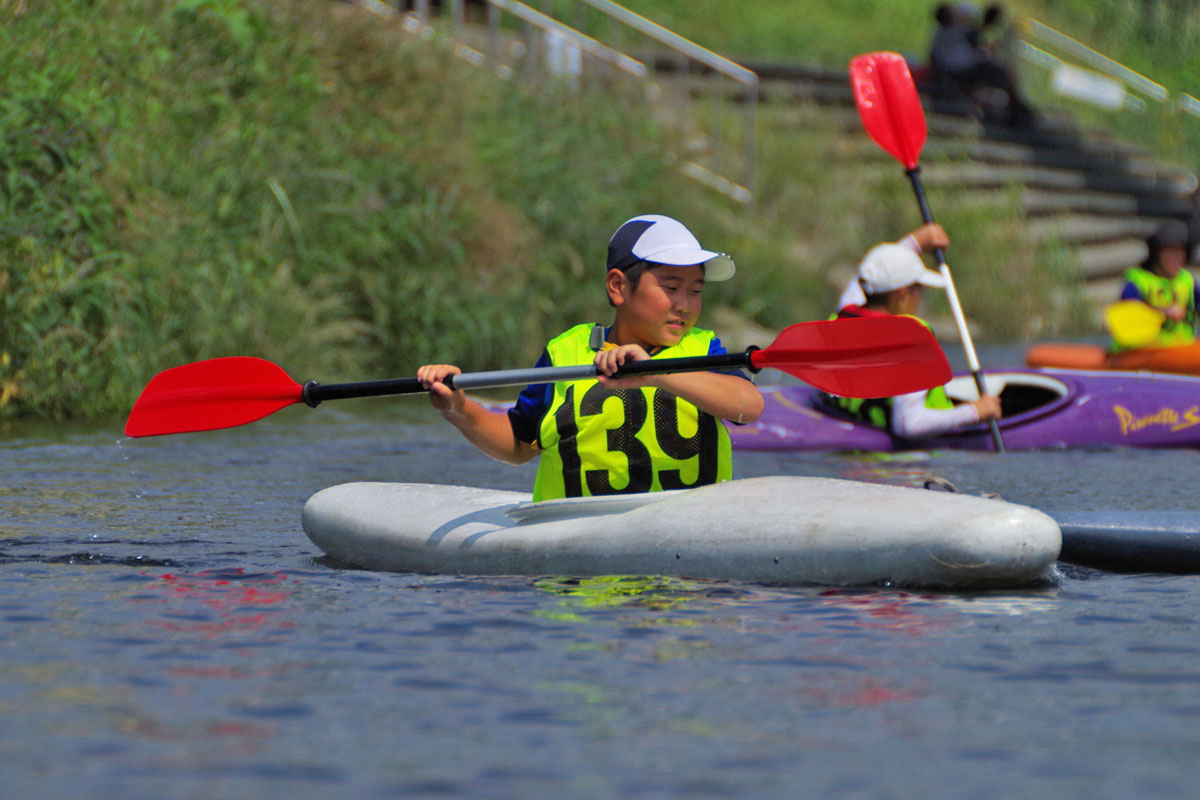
914 469
652 592
218 602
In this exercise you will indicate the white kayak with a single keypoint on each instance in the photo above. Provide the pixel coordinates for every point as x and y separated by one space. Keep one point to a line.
775 530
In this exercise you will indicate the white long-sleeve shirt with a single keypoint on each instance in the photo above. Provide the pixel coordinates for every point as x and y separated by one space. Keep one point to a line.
912 420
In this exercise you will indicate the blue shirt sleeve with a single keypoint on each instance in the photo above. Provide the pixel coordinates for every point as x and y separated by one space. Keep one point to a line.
715 348
533 403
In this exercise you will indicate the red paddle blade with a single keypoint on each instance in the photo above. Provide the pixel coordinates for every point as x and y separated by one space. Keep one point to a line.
859 357
889 106
207 395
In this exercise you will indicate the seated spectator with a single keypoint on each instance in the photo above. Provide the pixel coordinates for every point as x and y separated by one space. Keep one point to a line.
957 59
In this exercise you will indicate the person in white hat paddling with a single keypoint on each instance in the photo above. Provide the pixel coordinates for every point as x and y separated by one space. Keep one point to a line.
891 279
614 436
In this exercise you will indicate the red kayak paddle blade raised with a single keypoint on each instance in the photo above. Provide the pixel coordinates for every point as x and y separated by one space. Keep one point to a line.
859 357
209 395
889 106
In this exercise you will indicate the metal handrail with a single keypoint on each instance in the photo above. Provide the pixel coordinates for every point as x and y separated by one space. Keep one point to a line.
675 41
742 192
1189 104
1097 60
586 43
741 189
1035 55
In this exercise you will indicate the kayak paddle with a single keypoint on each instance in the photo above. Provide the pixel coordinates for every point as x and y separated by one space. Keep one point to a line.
891 112
866 357
1132 323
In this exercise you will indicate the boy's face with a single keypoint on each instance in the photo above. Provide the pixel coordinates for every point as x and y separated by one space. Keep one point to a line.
662 308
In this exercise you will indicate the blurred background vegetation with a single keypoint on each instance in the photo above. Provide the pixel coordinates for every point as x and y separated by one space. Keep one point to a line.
297 181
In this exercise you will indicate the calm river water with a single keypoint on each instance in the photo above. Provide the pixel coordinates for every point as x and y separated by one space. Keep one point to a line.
167 631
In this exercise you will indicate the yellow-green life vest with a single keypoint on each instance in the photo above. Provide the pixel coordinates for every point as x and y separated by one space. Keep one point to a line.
1162 293
877 411
598 441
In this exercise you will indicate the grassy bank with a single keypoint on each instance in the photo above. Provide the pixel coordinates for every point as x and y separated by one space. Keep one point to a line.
302 182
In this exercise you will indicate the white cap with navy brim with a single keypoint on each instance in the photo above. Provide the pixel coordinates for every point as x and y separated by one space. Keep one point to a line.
663 240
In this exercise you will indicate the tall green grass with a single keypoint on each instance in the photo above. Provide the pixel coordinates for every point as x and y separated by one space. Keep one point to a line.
307 183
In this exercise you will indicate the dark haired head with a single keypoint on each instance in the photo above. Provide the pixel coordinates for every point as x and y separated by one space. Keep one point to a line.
1172 233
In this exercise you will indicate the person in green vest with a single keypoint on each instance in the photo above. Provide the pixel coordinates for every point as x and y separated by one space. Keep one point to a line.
608 435
1163 283
892 278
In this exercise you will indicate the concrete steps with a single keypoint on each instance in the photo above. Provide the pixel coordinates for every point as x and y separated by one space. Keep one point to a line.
1080 187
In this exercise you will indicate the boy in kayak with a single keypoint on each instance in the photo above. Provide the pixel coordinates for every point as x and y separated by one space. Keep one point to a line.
1162 283
617 436
891 278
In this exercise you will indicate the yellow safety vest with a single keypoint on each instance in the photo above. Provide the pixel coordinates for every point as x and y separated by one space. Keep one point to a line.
878 411
600 441
1161 293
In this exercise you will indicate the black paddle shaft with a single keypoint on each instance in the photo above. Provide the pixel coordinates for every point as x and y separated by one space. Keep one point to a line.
314 393
914 176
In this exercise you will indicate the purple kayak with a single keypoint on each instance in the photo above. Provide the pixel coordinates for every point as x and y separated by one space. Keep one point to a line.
1043 409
